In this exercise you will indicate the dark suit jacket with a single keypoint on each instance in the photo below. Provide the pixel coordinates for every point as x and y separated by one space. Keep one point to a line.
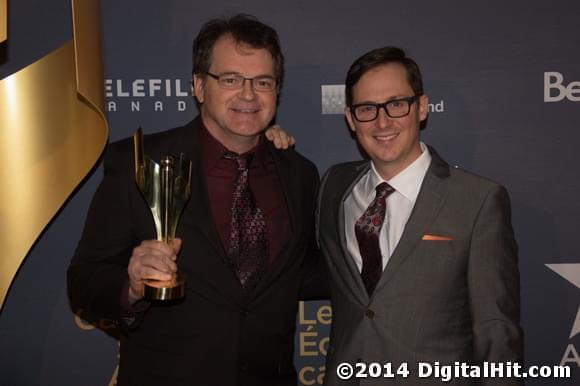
437 300
216 336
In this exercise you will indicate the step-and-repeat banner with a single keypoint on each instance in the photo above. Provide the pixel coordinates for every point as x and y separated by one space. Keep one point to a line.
503 79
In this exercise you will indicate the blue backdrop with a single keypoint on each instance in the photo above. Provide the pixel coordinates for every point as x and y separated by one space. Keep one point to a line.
504 82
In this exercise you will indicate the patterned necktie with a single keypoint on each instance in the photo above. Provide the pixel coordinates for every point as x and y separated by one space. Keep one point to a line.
367 229
248 234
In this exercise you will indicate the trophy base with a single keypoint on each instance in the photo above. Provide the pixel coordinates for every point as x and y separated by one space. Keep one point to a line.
163 290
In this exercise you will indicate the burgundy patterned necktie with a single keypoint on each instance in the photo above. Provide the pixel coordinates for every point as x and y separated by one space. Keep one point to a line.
367 229
248 234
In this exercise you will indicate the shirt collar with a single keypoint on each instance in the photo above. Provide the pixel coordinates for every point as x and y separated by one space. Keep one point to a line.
212 150
407 182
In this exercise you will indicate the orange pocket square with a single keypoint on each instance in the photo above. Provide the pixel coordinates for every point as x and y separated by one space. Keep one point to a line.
436 238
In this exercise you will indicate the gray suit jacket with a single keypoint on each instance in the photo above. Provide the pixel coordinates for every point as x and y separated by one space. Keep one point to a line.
450 299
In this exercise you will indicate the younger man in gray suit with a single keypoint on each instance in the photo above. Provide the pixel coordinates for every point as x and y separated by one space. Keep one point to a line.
422 258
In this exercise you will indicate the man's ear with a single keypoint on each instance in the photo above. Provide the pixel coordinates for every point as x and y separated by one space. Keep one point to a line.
423 107
349 118
197 88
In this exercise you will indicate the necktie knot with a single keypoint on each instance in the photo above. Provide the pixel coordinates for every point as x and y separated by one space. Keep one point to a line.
384 190
242 161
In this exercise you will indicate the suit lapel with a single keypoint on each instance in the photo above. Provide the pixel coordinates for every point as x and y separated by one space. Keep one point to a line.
197 220
429 202
347 183
199 207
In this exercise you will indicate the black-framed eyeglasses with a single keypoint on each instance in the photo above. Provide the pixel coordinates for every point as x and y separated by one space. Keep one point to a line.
233 81
396 108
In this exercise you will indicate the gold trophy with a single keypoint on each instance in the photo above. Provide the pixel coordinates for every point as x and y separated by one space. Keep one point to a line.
166 188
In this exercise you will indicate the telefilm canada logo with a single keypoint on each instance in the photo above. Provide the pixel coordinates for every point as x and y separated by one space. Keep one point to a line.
557 89
147 95
333 100
571 273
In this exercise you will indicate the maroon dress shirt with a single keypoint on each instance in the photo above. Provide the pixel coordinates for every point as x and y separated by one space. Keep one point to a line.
221 174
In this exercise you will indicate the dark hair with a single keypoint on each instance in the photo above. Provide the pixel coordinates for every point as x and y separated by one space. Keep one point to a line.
378 57
243 28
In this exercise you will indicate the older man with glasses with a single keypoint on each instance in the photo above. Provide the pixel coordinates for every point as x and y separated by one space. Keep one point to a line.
243 239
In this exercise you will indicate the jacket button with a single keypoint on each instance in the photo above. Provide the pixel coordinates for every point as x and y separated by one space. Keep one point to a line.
244 313
243 367
370 313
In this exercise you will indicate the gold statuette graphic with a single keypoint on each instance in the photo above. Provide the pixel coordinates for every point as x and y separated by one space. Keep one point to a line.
166 188
53 130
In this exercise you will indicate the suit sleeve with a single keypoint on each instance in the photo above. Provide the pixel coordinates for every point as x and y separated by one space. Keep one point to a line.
97 273
493 278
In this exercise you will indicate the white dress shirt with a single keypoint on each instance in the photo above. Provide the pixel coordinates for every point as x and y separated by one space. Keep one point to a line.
400 203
